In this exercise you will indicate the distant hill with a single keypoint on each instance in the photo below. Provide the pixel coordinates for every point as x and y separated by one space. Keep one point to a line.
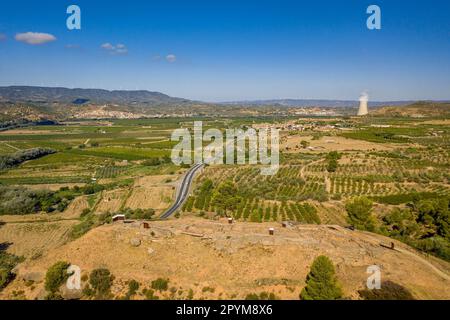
315 103
416 109
15 94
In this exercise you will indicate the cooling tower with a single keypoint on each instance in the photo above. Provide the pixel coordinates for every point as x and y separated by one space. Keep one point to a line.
363 109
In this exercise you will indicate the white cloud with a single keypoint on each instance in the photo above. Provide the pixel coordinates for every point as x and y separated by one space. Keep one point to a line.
117 49
107 46
171 58
35 38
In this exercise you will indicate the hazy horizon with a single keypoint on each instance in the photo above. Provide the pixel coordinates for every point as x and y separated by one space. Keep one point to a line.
232 51
255 100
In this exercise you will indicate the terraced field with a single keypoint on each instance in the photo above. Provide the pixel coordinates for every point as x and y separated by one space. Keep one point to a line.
31 240
107 168
389 166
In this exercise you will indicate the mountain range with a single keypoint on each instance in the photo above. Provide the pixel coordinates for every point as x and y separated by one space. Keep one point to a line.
48 95
15 94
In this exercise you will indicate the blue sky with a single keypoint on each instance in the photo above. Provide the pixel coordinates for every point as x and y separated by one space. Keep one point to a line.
233 50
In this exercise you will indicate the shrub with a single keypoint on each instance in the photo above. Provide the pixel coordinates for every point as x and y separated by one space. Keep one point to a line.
262 296
11 160
56 276
395 199
389 291
150 294
20 200
304 144
160 284
424 224
87 291
252 296
53 296
101 281
321 282
85 212
133 287
208 289
83 227
7 263
5 277
190 295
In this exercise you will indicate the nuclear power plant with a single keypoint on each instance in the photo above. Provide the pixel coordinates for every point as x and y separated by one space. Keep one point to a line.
363 109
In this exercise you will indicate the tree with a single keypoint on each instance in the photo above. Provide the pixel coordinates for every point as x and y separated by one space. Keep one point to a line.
334 155
332 158
101 281
226 197
332 165
359 212
305 144
321 282
56 276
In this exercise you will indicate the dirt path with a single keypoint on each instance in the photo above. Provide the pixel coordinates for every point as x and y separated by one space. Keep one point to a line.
422 260
327 183
417 257
12 147
302 170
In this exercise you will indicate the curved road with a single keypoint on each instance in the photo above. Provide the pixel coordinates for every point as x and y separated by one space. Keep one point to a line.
183 191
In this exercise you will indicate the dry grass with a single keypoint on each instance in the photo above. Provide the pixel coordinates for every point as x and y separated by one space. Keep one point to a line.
158 198
329 143
152 192
242 258
111 201
75 208
33 239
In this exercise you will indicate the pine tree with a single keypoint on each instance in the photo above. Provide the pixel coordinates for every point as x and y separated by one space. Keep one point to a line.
359 212
321 282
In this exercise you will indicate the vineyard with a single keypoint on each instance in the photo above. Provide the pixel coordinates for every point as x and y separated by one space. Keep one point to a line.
386 177
108 172
261 198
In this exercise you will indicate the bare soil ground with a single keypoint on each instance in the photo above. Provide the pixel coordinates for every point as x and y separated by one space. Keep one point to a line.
52 187
75 208
444 122
331 143
111 201
31 240
152 192
28 131
239 259
157 198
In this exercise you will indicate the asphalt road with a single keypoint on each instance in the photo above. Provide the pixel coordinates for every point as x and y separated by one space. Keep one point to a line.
183 191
